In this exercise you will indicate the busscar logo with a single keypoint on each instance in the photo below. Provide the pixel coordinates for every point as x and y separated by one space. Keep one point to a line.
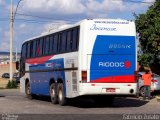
119 46
126 64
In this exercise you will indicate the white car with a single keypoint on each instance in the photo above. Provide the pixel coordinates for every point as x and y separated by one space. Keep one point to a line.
155 85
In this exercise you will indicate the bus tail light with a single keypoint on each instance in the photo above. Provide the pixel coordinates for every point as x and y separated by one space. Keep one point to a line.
84 76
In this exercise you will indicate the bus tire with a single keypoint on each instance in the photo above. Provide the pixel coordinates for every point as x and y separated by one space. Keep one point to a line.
53 93
142 91
61 98
28 91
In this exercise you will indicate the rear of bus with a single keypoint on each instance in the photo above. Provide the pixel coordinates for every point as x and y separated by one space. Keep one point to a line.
107 54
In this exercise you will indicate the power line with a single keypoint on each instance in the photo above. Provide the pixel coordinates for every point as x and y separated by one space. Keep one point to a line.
46 17
28 21
133 1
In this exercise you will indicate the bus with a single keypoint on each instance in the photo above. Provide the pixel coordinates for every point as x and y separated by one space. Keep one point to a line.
94 58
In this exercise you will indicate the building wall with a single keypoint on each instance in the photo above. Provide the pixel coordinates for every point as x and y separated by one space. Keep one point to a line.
4 68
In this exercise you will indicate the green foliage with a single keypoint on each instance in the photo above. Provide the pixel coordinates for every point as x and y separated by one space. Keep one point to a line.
146 59
148 26
11 84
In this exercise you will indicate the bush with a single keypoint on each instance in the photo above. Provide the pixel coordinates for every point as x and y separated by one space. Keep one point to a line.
11 84
146 59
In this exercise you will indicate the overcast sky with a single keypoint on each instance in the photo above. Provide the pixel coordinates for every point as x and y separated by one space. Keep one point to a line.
37 16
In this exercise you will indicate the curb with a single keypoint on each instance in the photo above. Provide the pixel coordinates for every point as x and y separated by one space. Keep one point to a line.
158 98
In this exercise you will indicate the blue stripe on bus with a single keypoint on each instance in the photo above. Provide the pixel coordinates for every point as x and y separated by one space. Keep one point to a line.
40 80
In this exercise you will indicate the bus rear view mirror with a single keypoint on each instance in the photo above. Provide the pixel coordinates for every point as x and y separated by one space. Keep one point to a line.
17 65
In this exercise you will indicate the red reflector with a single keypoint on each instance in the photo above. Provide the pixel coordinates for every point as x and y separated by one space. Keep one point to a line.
92 84
129 84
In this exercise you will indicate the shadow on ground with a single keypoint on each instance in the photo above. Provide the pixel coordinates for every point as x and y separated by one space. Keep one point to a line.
118 102
89 103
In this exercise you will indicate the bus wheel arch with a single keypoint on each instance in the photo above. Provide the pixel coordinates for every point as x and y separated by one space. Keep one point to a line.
28 89
53 91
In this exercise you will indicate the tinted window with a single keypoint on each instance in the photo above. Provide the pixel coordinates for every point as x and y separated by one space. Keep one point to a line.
69 40
155 75
34 48
51 44
55 47
44 45
47 46
28 49
23 54
75 40
59 42
31 49
41 46
63 41
38 48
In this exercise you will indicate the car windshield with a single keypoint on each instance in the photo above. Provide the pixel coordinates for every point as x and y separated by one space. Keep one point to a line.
155 75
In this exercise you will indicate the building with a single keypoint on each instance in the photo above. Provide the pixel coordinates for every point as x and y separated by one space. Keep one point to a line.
5 57
4 62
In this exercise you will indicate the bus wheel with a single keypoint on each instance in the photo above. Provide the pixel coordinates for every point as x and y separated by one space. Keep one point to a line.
53 93
28 91
61 98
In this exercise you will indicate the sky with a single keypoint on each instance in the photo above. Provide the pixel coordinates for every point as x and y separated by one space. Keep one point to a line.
33 17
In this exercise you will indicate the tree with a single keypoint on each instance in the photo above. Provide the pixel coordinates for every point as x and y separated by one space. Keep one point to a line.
148 26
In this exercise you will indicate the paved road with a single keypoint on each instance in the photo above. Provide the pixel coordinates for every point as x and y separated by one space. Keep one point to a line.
13 102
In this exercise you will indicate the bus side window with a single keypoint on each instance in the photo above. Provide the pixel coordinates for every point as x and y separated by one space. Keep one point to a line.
44 45
55 47
69 42
51 44
77 42
23 53
63 41
59 42
47 45
38 48
41 46
34 48
31 49
75 39
28 50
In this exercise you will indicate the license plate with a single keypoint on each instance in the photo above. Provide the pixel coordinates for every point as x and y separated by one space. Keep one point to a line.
110 90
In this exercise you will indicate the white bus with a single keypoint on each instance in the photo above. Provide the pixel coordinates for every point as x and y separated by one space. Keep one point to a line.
95 58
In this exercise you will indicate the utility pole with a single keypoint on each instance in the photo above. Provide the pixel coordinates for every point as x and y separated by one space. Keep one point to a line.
11 40
12 18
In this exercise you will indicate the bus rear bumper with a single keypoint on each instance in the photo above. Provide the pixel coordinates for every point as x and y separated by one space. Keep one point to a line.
127 89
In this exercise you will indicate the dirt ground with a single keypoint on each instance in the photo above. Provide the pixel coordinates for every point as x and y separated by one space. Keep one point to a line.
3 82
